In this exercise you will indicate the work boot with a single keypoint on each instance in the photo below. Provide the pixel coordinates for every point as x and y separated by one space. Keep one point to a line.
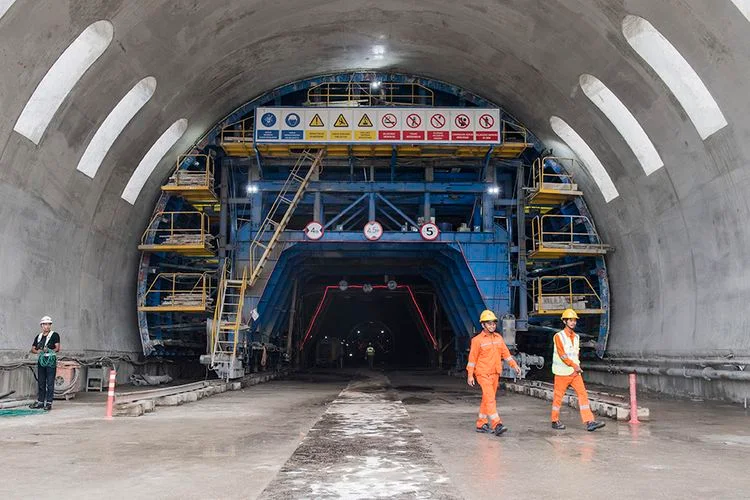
594 425
47 406
558 426
500 429
36 404
483 428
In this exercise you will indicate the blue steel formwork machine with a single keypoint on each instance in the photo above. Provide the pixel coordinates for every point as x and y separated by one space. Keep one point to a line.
485 200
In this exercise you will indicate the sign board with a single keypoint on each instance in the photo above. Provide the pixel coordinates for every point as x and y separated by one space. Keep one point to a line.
373 230
314 230
429 231
378 125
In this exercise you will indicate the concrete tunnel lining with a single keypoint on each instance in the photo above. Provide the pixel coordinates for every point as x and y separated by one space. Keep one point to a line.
678 280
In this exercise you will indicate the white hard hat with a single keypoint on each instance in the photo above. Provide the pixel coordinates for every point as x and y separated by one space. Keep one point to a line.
45 319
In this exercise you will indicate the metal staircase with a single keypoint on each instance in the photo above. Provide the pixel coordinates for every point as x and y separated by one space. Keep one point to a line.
227 323
261 249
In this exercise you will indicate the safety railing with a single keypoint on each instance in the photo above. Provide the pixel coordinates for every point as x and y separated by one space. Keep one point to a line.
220 295
564 231
369 94
187 292
189 228
544 177
513 133
193 172
554 294
238 132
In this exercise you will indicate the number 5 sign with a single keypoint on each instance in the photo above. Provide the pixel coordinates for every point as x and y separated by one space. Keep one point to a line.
429 231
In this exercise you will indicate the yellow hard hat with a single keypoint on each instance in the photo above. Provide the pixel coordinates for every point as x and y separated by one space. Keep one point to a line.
569 314
487 315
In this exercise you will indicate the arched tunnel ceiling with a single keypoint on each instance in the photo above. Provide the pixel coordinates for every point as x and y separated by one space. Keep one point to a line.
69 242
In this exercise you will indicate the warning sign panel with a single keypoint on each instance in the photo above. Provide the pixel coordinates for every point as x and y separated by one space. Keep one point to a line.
402 125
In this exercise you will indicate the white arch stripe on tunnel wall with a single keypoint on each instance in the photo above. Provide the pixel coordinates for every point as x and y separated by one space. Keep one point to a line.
743 6
61 78
5 5
676 73
587 156
114 124
152 158
624 122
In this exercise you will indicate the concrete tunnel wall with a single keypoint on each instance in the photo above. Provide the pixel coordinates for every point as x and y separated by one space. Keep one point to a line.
68 245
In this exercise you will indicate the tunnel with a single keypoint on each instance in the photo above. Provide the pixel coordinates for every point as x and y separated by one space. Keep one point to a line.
641 105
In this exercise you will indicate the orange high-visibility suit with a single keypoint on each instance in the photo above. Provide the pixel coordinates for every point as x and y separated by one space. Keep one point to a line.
488 350
564 364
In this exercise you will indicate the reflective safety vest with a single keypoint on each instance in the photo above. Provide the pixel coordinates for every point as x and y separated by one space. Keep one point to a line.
571 351
371 351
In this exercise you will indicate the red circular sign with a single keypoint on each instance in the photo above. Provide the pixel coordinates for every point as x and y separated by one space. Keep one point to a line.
389 120
486 121
462 121
413 120
429 231
437 120
314 230
373 230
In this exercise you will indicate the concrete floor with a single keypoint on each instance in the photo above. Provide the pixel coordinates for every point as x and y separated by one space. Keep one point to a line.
276 440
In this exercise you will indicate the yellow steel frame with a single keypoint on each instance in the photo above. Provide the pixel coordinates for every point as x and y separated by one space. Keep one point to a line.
201 193
237 140
220 327
556 244
179 285
551 188
201 247
540 289
363 94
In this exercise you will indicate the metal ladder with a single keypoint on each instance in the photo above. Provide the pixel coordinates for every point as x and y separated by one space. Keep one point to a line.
225 330
260 251
227 322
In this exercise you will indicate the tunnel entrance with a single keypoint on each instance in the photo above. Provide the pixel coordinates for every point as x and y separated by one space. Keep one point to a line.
333 209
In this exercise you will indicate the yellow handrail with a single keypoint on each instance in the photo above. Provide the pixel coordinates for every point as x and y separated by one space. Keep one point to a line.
239 132
540 176
219 304
168 233
364 93
180 284
201 166
562 288
513 133
541 236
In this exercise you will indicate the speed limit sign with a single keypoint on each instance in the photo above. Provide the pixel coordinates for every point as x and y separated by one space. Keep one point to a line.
429 231
373 230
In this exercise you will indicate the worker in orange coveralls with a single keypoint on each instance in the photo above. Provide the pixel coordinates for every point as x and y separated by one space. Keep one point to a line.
567 370
488 350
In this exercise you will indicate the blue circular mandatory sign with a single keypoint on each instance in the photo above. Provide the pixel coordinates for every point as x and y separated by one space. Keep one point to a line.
292 119
268 119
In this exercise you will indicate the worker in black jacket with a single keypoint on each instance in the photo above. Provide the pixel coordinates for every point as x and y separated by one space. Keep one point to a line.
46 345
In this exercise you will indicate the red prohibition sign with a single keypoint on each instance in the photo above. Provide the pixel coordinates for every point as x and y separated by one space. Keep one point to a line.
388 120
437 121
486 121
413 120
462 121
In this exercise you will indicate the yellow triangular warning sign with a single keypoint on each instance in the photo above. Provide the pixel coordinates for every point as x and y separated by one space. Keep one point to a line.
341 121
316 121
365 121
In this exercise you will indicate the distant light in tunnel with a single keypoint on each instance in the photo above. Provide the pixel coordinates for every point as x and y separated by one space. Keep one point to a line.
4 6
624 121
114 124
375 85
742 5
61 78
151 159
493 190
676 73
252 188
587 156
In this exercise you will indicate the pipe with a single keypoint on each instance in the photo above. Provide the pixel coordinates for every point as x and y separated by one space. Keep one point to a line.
680 361
705 373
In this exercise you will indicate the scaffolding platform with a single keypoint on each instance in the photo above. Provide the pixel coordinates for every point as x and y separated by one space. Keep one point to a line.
549 186
555 236
193 179
554 294
178 292
186 233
